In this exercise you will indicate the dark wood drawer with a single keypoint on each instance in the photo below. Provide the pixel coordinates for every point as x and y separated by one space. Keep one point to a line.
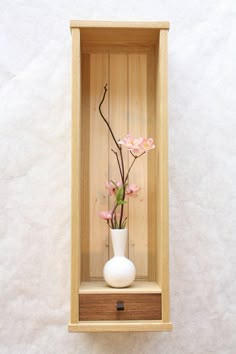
99 307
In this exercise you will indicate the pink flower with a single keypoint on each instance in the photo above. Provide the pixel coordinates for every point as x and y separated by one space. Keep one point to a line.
137 145
132 190
105 215
147 144
112 188
132 143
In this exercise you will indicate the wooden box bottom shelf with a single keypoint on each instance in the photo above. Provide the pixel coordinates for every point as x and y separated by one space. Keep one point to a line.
110 307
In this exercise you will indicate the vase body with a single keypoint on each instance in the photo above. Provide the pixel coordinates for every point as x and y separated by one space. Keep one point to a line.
119 271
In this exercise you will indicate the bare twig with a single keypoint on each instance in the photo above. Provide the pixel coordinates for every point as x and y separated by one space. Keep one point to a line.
105 120
117 161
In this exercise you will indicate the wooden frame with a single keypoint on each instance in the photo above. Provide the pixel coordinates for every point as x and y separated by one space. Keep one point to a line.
136 51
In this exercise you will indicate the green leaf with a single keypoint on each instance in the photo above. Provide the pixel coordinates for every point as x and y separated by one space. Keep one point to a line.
119 194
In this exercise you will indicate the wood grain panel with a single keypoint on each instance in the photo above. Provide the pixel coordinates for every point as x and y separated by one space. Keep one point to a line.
138 240
118 115
98 146
120 36
84 178
152 167
75 173
136 307
162 187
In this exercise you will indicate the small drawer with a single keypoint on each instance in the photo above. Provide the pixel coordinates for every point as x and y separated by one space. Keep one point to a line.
99 307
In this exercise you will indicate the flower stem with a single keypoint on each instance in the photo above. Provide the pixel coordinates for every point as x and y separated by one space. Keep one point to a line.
123 183
112 215
127 176
117 162
135 158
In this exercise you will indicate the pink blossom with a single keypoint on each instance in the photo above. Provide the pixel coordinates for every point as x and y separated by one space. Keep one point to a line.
147 144
112 188
132 190
137 145
105 215
133 144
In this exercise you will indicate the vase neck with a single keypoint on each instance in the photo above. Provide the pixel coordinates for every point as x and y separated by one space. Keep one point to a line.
119 240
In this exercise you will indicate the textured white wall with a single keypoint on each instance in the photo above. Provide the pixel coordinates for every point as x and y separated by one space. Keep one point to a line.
35 47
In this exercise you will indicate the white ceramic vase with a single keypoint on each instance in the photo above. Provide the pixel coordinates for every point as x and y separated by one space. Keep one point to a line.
119 271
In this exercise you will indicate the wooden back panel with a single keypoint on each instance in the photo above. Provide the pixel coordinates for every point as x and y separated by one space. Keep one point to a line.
129 108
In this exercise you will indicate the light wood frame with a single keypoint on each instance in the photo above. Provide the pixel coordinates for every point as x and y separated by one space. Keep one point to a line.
89 37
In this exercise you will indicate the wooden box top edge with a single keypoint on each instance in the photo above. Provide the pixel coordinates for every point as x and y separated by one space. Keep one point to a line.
119 24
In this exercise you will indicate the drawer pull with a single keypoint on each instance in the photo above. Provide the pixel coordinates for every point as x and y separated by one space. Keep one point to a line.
120 306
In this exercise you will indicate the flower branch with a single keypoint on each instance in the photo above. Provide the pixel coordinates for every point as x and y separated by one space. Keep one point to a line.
135 158
137 147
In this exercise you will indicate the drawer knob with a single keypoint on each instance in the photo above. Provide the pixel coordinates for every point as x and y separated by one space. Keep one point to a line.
120 306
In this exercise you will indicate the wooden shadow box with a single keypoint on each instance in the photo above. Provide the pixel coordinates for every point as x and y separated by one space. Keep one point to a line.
131 58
